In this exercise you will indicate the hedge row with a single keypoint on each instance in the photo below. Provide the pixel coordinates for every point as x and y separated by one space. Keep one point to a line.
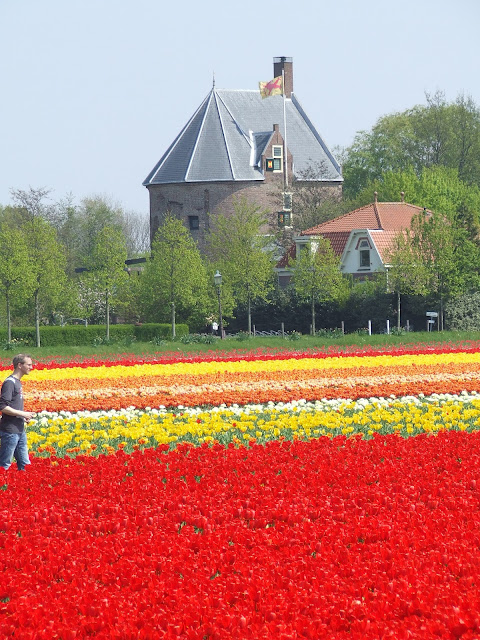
78 335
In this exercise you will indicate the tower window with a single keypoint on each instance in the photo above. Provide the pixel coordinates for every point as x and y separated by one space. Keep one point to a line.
194 222
277 151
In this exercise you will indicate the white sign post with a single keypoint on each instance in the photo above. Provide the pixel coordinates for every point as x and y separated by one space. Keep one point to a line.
431 315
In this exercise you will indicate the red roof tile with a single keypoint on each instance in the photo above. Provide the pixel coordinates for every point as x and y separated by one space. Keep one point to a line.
387 216
383 241
338 240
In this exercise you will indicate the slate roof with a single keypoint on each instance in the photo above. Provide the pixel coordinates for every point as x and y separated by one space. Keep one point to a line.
226 136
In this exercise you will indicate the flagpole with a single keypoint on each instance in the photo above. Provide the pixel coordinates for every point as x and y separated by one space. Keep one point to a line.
285 129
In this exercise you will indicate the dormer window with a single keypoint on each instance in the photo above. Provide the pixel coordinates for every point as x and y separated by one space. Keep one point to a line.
277 151
364 252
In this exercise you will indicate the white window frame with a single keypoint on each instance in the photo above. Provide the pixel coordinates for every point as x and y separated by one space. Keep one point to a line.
277 155
364 249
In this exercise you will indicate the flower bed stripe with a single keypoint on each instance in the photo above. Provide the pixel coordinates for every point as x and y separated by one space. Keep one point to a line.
100 432
258 382
220 367
56 362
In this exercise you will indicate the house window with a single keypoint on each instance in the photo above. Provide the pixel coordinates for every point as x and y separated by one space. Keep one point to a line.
193 222
364 249
277 151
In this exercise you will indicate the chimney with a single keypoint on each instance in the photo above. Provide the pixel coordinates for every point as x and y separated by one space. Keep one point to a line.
286 65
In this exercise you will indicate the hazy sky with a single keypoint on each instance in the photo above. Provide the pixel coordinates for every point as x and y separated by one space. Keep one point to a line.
94 91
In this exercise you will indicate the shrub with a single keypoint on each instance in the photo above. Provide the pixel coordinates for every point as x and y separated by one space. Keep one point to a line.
361 332
329 333
243 335
293 335
463 313
152 330
80 335
395 331
199 338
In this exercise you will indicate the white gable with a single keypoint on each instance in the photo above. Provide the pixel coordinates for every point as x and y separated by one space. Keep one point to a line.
360 255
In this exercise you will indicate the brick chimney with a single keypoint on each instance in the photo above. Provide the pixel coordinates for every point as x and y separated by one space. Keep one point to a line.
286 65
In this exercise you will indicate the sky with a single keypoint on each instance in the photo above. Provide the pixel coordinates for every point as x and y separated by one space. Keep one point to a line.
94 91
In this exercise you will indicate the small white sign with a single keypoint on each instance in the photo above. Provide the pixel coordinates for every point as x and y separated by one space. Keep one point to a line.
432 314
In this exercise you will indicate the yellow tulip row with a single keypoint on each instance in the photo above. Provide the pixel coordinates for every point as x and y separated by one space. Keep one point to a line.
249 366
107 431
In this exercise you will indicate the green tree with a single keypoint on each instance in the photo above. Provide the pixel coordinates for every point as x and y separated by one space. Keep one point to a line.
436 257
107 265
435 134
174 284
317 276
97 212
437 188
406 273
47 258
244 256
47 262
16 277
128 302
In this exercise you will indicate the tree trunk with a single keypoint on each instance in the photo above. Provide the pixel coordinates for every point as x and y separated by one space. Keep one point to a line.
398 311
313 315
173 321
9 324
37 319
107 315
249 307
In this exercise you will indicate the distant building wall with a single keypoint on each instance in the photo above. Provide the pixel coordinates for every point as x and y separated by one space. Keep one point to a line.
197 204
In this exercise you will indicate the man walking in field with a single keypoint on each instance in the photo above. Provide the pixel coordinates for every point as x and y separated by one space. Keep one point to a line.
13 439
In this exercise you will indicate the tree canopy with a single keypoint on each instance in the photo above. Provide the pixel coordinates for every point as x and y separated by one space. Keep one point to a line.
175 283
107 265
243 254
435 134
317 276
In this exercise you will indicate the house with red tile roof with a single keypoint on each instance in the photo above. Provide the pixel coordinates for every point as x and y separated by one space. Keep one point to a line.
361 238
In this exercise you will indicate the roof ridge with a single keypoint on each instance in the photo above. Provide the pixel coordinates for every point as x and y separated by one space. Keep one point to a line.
178 139
377 215
199 133
344 215
222 127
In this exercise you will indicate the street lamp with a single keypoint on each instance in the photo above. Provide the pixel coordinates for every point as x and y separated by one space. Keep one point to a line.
217 278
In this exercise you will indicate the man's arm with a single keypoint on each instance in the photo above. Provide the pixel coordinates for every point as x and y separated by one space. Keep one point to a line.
27 415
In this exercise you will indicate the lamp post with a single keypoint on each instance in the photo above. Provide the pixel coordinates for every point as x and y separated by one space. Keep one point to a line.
217 278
